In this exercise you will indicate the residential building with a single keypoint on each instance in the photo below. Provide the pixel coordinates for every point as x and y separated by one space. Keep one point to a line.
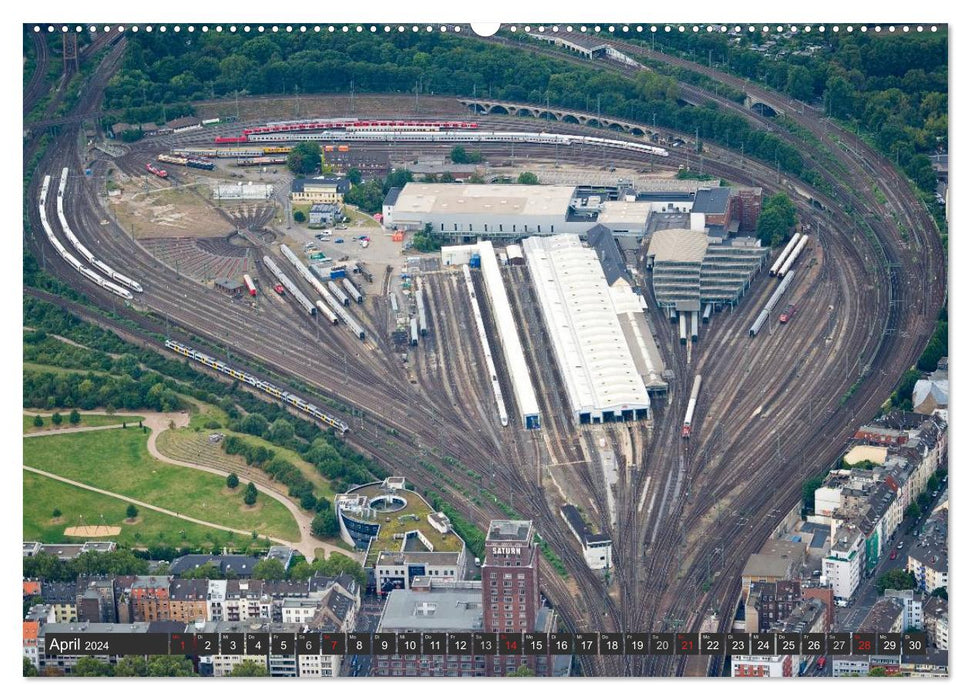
843 568
188 600
936 621
769 602
913 608
150 598
67 551
850 666
298 610
886 615
927 560
780 666
235 565
63 598
933 664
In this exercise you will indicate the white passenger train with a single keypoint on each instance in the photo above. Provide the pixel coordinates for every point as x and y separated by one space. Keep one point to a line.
66 255
85 253
462 137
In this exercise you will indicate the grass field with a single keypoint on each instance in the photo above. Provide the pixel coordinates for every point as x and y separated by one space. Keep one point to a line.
87 421
118 461
42 495
61 370
187 445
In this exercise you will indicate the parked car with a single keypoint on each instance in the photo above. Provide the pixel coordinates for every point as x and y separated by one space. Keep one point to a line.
893 554
338 240
900 546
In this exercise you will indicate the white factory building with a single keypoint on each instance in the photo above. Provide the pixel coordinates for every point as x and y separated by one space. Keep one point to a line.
597 365
518 210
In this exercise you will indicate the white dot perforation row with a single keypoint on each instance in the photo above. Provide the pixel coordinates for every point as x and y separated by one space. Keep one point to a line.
414 28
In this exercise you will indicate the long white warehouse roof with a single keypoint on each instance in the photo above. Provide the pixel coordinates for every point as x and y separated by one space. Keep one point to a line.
591 350
512 348
454 198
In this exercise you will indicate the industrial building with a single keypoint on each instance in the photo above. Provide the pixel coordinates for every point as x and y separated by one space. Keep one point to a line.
597 365
597 548
691 268
467 212
324 189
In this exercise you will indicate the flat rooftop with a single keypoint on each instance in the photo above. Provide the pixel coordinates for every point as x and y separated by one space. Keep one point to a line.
678 245
509 530
457 610
453 198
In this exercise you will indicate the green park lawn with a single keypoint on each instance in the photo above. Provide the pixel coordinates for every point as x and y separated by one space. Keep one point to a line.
88 420
118 461
42 494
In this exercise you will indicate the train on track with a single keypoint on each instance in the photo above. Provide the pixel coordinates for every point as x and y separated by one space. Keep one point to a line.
66 255
189 162
108 284
347 125
270 389
461 137
248 281
158 172
288 284
486 350
692 403
783 256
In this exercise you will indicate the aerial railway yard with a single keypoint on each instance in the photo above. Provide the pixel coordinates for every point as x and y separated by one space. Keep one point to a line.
767 403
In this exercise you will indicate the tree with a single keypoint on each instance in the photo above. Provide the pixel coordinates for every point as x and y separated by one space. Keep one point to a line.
280 431
880 671
913 510
269 570
208 570
324 525
57 419
299 216
776 220
940 592
337 564
809 492
527 178
896 579
354 176
522 672
304 159
56 513
300 571
458 155
232 481
248 668
38 422
74 418
29 670
170 666
131 511
249 496
88 666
